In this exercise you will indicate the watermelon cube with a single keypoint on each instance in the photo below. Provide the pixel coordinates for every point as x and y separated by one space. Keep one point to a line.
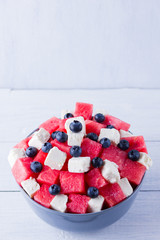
94 178
137 143
116 122
112 194
83 109
72 182
48 176
133 171
62 146
23 144
77 203
90 148
40 157
114 154
21 170
92 126
51 124
43 196
62 123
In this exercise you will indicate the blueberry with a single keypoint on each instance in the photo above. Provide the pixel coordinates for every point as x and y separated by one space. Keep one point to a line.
105 142
36 167
54 189
75 151
46 147
123 144
93 192
99 117
110 126
97 162
61 136
31 151
75 126
134 155
68 115
53 135
92 136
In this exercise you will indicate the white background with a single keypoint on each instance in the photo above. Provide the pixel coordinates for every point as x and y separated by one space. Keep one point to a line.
85 49
79 44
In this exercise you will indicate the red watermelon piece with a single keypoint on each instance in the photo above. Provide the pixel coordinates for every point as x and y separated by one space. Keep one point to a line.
77 203
72 182
41 156
21 169
114 154
137 143
43 196
116 122
92 126
23 144
51 124
94 178
83 109
48 176
112 193
133 171
62 123
62 146
90 148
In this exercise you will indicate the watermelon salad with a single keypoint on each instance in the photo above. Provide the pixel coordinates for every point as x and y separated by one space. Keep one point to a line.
81 163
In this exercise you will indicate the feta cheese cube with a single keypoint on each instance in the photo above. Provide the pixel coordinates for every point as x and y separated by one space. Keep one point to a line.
124 134
112 134
14 154
110 171
125 186
145 160
30 186
64 112
75 139
80 119
39 138
59 203
55 159
79 164
95 204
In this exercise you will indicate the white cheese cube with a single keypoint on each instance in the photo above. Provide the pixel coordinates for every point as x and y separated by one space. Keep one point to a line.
55 159
75 139
14 154
80 119
79 164
110 171
59 203
64 112
112 134
95 204
30 186
39 138
145 160
125 186
124 134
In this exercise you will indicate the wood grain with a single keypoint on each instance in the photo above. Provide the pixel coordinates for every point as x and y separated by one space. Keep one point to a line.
79 44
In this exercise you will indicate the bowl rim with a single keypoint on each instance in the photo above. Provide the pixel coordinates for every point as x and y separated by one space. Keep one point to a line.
78 214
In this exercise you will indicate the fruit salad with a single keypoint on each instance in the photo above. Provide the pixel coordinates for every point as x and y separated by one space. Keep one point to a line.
82 163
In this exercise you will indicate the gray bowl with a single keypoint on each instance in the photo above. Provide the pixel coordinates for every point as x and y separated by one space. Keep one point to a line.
83 222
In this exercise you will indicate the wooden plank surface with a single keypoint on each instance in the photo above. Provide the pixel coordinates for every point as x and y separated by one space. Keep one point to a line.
22 111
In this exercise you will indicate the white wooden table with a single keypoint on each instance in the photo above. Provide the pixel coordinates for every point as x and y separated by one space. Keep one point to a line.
22 111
